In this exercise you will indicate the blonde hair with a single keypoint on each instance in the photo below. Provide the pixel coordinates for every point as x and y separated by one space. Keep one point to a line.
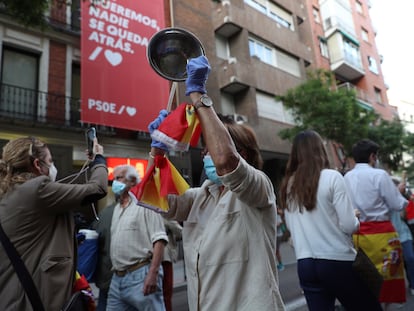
16 164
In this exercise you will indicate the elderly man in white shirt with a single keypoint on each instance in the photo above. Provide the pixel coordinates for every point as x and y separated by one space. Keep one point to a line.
138 238
374 194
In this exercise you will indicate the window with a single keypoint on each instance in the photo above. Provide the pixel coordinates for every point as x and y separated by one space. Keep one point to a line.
262 51
19 84
259 5
359 8
271 9
364 35
316 16
75 15
275 57
222 47
75 95
323 47
351 52
378 95
269 108
372 64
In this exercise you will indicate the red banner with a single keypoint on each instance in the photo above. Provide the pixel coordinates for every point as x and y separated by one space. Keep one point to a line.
139 164
118 86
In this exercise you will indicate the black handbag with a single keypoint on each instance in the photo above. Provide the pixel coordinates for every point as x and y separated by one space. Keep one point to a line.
367 271
77 302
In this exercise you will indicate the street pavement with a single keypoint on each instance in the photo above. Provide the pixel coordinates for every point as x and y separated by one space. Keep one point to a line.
288 284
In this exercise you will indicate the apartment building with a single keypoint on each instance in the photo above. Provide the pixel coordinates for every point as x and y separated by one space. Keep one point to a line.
343 39
257 49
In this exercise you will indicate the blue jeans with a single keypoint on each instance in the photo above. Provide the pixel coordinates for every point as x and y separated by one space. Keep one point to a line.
323 281
126 293
408 253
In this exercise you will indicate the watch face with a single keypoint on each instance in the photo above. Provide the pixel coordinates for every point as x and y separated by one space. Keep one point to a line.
206 101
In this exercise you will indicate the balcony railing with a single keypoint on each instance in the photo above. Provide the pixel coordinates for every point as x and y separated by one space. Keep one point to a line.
360 94
35 107
59 20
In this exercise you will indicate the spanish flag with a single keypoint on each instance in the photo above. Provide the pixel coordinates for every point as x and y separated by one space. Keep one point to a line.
180 129
161 179
380 242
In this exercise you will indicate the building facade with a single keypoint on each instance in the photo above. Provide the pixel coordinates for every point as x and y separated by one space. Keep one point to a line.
257 49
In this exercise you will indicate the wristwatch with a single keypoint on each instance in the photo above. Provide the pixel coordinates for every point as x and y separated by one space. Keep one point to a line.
203 101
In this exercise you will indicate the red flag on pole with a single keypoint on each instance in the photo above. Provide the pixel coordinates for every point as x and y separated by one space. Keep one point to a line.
180 129
161 179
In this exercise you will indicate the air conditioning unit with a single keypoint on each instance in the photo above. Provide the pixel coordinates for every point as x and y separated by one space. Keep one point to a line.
239 118
232 60
233 79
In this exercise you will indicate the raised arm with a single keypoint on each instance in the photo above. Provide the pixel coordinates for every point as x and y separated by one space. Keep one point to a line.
217 138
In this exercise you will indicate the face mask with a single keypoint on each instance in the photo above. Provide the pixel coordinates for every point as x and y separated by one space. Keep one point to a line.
118 187
210 170
52 171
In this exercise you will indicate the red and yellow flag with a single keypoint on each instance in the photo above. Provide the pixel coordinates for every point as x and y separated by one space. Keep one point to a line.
180 129
161 179
380 242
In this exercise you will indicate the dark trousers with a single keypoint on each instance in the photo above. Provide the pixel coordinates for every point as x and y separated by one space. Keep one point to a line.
323 281
103 296
168 284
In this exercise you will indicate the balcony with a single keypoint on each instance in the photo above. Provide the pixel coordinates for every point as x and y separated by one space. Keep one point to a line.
345 57
30 107
228 19
233 76
57 20
362 97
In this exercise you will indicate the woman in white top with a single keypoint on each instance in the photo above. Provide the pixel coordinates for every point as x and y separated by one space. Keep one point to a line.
321 219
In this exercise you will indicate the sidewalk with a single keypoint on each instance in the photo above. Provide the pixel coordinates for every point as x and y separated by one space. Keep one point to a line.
289 284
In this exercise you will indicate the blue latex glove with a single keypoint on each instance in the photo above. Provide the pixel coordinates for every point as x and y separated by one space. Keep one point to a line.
155 125
197 73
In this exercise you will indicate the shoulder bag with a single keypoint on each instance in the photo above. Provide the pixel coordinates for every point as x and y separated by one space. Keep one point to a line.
367 271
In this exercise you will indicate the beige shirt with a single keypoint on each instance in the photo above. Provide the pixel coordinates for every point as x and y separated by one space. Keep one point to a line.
230 243
134 230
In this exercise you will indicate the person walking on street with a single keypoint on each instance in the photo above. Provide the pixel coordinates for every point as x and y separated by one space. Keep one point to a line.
406 240
321 219
374 194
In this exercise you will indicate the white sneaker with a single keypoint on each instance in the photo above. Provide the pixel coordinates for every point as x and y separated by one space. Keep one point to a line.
412 291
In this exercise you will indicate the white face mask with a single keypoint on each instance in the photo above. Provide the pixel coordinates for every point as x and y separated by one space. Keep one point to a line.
52 171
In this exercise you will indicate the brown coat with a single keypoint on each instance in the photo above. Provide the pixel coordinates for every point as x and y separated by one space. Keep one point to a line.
37 218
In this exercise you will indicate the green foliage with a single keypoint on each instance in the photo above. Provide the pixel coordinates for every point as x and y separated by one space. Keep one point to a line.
334 113
32 12
28 12
390 136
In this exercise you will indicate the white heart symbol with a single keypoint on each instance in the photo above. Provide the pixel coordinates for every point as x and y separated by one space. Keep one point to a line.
131 111
114 58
